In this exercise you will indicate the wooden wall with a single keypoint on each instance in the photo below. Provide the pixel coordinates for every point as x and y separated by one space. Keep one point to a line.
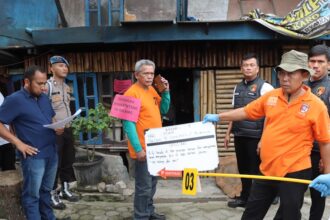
201 55
207 93
219 62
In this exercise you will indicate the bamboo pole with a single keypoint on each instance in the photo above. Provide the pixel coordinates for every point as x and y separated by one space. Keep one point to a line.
204 92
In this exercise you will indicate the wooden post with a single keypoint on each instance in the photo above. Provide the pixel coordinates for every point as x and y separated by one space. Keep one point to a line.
10 191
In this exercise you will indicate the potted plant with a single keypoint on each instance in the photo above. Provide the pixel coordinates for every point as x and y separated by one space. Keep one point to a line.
87 168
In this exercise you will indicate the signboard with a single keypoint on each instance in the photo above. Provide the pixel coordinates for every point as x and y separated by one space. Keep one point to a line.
310 19
126 108
181 146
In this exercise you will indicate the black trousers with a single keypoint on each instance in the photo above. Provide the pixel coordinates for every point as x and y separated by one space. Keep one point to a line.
291 195
7 157
318 202
248 161
66 156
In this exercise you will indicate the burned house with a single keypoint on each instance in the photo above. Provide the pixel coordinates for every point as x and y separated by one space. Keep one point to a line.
196 45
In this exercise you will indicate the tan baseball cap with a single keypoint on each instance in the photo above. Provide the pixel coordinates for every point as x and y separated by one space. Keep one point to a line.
294 60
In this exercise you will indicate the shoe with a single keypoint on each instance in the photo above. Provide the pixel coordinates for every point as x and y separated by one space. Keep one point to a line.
276 200
157 216
55 201
67 195
237 202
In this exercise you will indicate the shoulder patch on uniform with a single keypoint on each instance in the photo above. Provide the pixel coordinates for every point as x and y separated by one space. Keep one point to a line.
304 108
68 89
253 87
272 100
320 90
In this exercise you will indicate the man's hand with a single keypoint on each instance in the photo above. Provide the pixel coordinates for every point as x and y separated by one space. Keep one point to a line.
321 166
59 131
227 140
165 83
211 118
26 149
322 184
258 147
141 155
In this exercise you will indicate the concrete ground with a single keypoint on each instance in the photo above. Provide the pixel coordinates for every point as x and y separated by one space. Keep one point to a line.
210 204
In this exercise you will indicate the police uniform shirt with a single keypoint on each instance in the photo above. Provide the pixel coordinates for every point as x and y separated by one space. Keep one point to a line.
60 97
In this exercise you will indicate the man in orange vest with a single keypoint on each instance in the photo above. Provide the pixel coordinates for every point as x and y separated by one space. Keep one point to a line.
295 117
152 107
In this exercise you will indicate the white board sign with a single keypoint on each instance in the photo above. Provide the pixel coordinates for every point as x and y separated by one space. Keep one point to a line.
177 147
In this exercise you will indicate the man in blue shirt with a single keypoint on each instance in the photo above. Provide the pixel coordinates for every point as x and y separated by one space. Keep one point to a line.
27 111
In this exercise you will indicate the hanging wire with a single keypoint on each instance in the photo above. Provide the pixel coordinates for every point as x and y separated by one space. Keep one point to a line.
17 38
13 64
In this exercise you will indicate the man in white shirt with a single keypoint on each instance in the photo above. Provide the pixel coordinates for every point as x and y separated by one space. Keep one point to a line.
7 151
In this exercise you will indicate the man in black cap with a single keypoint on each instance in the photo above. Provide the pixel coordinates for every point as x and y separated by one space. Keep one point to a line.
60 93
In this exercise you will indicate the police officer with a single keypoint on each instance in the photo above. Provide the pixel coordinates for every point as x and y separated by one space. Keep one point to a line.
247 133
59 93
319 61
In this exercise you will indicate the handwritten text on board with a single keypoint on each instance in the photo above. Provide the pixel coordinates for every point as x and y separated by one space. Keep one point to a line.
126 108
181 146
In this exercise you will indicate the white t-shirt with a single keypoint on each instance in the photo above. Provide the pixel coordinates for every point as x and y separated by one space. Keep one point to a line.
266 87
2 141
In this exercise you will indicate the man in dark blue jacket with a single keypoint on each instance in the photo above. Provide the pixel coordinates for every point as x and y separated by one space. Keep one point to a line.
319 61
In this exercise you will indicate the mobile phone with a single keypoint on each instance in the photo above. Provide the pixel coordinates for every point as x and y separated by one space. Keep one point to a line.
158 84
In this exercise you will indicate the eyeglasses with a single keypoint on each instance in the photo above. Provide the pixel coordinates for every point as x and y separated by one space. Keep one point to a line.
147 73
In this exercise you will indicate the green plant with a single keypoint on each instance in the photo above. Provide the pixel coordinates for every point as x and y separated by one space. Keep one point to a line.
96 121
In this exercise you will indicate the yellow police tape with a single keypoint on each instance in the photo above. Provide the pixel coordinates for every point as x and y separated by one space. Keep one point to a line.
190 180
285 179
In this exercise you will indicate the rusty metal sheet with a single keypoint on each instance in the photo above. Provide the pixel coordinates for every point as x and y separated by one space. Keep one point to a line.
238 8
